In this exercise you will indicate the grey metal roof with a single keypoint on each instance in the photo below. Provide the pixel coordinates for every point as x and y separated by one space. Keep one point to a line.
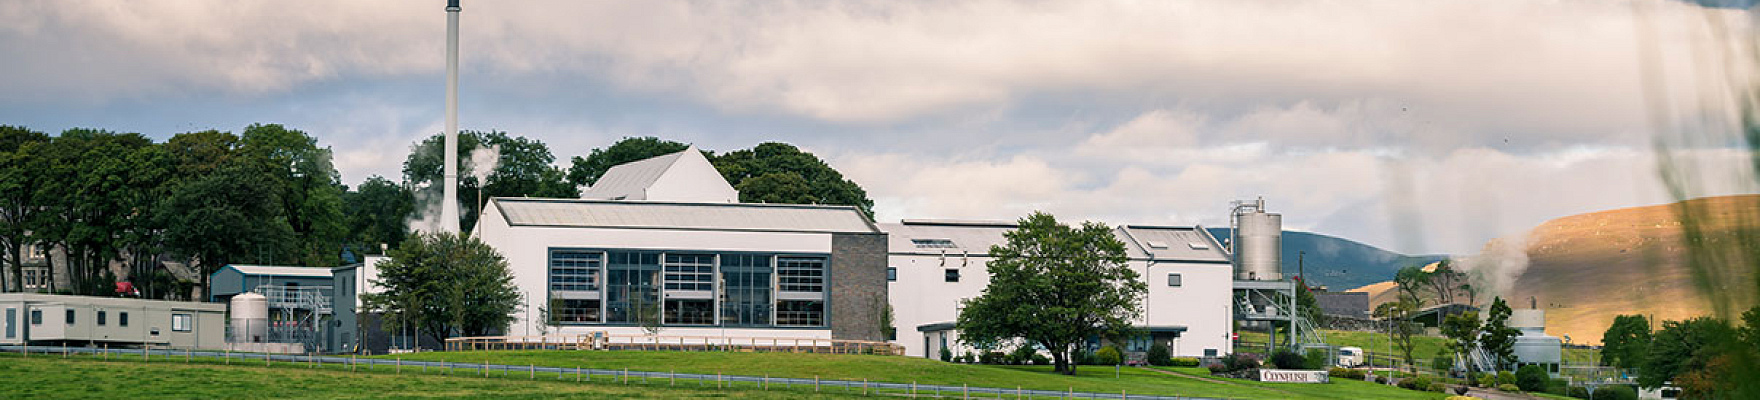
628 180
281 270
672 215
976 237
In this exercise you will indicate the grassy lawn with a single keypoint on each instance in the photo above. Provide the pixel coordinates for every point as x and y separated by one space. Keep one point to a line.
89 378
1338 389
923 371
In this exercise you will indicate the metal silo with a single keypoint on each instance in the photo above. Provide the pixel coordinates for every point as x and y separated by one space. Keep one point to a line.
1257 243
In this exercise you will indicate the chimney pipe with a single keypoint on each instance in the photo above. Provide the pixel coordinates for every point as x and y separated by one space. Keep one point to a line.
449 199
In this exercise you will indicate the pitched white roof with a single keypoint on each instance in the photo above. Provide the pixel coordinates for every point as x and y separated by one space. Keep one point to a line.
673 215
281 270
631 179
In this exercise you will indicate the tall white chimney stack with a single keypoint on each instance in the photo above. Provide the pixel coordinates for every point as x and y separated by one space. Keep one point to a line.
449 203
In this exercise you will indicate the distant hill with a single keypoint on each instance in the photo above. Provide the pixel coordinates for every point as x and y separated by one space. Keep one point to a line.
1339 263
1586 269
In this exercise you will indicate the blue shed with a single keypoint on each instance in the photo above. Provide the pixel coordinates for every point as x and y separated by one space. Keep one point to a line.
234 279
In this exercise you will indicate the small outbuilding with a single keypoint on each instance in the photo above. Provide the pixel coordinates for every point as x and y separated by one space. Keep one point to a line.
46 319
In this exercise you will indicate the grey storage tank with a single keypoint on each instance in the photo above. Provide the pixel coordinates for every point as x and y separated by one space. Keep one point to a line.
1258 242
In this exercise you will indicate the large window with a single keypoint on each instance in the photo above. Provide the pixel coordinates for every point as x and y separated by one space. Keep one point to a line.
800 274
632 290
745 290
690 312
182 322
690 272
574 271
574 311
800 313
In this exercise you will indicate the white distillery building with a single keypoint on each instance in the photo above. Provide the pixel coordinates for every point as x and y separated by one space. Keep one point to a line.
936 264
708 269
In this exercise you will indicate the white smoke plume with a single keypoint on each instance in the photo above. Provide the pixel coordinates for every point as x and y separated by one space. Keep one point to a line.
482 163
1498 266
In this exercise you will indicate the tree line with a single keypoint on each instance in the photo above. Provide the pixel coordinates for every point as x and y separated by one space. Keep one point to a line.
103 201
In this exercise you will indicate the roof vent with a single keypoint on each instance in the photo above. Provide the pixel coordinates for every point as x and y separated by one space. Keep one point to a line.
1199 245
1157 245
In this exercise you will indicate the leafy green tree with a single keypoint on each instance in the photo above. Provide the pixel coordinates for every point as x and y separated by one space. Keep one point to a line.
19 147
522 169
1626 342
94 208
1400 327
378 212
308 187
823 184
1682 347
226 216
1054 285
586 171
1500 340
446 284
1462 331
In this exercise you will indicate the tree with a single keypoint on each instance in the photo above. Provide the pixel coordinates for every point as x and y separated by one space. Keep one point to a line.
1462 331
522 169
309 189
1626 342
229 215
1681 347
1055 286
1499 340
378 212
446 284
1400 327
822 184
18 210
586 171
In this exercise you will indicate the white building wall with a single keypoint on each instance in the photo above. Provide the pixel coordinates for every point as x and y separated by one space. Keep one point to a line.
527 250
691 179
922 296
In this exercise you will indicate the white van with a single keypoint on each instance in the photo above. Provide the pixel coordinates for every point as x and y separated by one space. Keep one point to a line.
1350 357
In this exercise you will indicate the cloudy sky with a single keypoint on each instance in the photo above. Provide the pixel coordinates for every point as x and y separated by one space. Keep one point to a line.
1420 126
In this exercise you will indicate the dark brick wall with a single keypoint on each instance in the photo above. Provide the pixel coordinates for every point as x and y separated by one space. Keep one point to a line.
858 285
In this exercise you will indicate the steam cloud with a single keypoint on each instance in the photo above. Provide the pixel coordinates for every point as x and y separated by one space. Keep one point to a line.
1499 265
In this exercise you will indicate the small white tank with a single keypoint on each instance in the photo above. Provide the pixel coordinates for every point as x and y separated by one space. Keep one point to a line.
250 318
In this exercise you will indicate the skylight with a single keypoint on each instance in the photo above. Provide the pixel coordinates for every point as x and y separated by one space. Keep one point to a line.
934 243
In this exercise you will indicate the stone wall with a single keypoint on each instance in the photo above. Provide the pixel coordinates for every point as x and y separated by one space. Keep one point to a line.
858 285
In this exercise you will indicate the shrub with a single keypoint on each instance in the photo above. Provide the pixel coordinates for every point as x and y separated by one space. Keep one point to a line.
1461 390
1612 393
1506 378
1486 379
1415 383
1318 359
1185 362
1218 368
1081 357
992 358
1532 378
1158 355
968 358
1240 361
1108 355
946 355
1346 373
1509 387
1287 359
1381 379
1438 387
1022 355
1040 359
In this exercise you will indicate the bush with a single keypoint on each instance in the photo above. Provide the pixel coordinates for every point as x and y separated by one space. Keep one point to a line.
1381 379
1185 362
1461 390
1415 383
1239 361
1506 378
992 358
1040 359
946 355
968 358
1509 387
1108 355
1287 359
1022 355
1532 378
1318 359
1081 357
1158 355
1606 393
1486 379
1218 368
1346 373
1438 387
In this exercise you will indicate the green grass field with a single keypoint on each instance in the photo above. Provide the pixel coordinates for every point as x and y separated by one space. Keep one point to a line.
924 371
170 378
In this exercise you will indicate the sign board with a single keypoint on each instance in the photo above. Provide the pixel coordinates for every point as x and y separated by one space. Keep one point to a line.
1292 376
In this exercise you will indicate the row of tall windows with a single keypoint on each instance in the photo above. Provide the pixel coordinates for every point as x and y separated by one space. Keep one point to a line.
686 288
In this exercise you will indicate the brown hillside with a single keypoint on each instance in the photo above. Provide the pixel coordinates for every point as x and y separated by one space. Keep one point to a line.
1585 269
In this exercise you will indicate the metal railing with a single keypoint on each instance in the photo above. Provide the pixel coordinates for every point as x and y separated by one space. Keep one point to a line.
576 374
603 341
